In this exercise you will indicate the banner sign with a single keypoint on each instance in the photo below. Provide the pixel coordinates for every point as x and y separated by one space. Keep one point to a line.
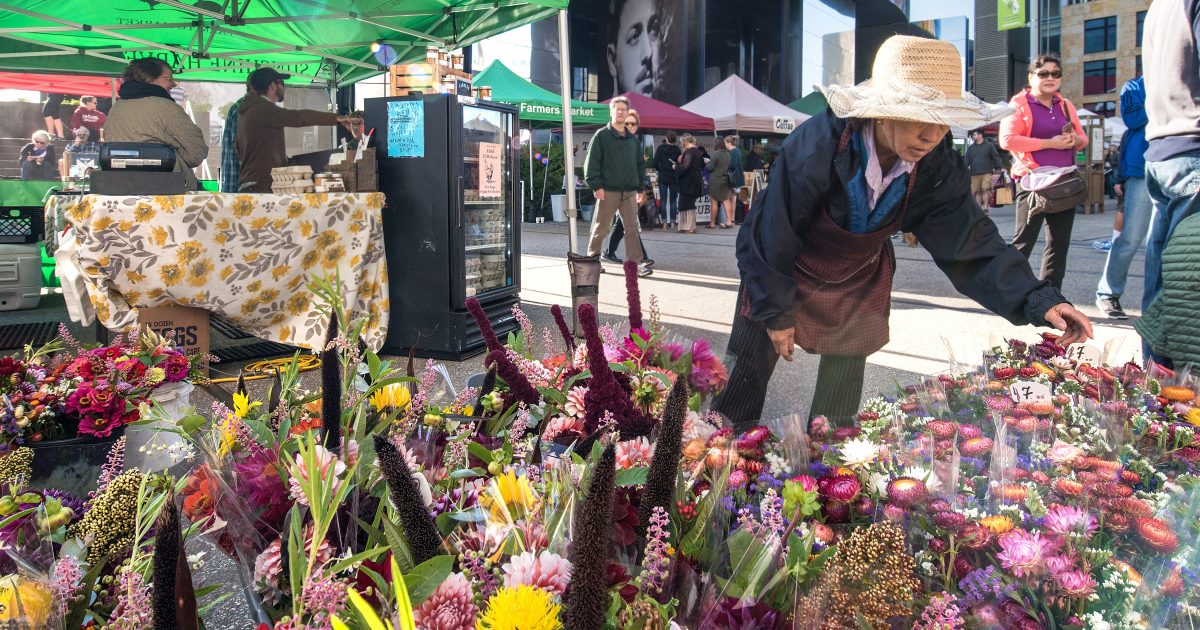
1010 14
784 124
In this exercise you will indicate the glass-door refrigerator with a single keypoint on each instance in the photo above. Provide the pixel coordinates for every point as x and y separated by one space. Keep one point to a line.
448 169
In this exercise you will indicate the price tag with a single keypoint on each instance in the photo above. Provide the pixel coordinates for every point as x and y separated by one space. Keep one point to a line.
1084 353
1029 391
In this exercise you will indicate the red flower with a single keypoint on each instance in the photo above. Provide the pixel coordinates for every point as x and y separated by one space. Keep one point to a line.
200 494
905 491
968 431
1156 534
976 446
942 429
1004 372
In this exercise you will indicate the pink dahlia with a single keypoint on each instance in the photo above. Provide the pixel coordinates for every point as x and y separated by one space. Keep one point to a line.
1076 583
1023 553
450 607
568 426
634 453
575 406
546 571
708 372
327 464
1066 519
267 569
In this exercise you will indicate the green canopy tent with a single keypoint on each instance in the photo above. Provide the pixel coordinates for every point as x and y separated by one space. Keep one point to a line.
319 43
539 106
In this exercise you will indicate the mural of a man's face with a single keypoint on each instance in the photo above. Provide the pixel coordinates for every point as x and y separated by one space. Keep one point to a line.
635 54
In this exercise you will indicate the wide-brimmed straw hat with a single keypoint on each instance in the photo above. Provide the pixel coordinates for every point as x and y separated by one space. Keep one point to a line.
914 79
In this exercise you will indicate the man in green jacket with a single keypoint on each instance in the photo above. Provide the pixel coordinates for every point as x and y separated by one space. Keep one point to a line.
614 170
1170 334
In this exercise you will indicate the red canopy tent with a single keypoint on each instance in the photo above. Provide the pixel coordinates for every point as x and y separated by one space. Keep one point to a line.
659 115
58 83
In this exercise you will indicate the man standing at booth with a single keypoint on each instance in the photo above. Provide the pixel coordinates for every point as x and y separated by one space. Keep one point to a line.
260 125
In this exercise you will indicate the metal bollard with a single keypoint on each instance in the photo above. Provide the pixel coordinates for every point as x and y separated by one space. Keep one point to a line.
585 285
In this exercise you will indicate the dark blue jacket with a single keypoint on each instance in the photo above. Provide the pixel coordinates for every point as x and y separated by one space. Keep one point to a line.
809 176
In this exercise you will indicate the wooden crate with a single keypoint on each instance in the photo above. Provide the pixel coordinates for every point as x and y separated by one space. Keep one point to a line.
425 78
359 175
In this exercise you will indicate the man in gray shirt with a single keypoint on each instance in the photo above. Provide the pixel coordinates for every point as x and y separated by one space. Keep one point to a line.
983 161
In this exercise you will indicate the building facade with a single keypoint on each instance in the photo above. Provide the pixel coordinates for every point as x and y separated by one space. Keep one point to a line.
1101 50
675 50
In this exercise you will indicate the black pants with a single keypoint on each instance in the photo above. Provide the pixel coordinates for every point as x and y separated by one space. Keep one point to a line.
1058 238
52 108
618 235
839 378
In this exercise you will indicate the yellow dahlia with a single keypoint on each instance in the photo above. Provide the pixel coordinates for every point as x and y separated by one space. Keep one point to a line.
24 601
509 497
521 608
394 396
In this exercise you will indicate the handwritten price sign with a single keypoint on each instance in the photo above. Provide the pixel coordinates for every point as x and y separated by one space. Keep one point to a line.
1083 353
1028 391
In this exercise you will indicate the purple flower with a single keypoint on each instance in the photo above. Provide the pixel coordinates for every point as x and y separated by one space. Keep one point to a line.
729 613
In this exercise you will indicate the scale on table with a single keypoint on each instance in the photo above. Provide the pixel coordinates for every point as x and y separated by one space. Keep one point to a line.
137 168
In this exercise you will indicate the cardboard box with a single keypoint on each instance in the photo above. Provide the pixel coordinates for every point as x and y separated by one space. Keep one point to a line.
426 78
187 326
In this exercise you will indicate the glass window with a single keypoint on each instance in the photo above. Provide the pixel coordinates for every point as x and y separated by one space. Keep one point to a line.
828 44
1100 35
1100 77
1138 70
1141 23
1104 109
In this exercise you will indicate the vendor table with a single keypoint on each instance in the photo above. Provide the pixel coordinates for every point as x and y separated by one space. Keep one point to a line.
248 258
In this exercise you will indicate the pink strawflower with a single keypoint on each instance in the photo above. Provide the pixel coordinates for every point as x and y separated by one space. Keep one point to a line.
1076 583
1023 553
562 425
1065 519
327 464
1063 453
634 453
450 607
1059 564
546 571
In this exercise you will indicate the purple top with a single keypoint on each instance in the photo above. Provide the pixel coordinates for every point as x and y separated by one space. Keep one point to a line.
1047 123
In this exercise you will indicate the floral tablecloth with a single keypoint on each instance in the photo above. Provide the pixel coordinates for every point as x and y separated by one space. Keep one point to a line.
248 258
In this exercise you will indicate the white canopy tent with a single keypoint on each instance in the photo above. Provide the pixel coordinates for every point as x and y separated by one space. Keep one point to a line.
736 106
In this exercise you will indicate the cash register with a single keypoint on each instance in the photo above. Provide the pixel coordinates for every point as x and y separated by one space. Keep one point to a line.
136 168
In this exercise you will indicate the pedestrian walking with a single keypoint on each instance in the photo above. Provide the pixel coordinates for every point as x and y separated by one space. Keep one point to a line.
720 186
983 161
1043 131
666 161
1131 187
816 259
633 121
615 171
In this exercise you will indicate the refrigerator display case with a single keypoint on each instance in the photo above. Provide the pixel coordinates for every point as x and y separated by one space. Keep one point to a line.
448 169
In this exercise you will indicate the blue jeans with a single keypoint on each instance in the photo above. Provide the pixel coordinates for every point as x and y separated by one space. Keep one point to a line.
668 199
1138 211
1173 184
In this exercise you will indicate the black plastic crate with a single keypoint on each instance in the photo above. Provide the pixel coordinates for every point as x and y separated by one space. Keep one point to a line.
22 225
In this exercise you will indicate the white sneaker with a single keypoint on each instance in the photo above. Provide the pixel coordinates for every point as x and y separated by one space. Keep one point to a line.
644 270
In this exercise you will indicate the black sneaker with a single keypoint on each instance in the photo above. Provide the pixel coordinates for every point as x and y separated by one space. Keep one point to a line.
612 258
1111 307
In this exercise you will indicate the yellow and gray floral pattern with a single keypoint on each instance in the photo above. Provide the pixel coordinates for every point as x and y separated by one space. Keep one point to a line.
248 258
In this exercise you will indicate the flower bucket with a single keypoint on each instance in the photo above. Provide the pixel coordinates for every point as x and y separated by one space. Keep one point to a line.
153 446
73 464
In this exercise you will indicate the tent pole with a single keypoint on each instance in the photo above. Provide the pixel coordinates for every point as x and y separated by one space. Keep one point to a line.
564 82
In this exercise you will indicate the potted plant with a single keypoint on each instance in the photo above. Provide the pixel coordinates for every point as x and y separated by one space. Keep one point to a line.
542 179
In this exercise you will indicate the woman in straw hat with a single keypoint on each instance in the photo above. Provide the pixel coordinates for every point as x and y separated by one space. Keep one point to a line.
816 261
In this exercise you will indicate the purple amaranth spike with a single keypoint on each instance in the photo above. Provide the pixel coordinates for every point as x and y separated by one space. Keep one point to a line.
632 295
485 325
517 383
563 330
587 599
604 392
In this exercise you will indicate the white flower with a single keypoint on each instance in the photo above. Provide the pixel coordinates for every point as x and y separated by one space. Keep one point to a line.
859 452
921 473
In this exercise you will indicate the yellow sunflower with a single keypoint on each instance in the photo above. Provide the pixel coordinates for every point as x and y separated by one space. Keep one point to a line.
24 601
520 608
198 272
509 497
243 205
144 212
188 251
170 274
394 396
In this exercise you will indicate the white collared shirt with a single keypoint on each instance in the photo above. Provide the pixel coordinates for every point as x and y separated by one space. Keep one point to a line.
877 182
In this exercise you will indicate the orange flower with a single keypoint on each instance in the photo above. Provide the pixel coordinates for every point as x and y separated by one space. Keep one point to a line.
200 494
1012 492
1068 487
997 523
1178 393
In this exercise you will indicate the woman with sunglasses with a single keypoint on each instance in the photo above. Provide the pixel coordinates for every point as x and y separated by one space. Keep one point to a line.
1044 131
38 158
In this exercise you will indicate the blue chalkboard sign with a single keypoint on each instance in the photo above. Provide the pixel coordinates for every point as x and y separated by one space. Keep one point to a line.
406 129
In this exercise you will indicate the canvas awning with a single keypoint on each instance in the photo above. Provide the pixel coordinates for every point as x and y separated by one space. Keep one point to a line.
57 83
537 105
657 115
735 105
318 42
812 104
